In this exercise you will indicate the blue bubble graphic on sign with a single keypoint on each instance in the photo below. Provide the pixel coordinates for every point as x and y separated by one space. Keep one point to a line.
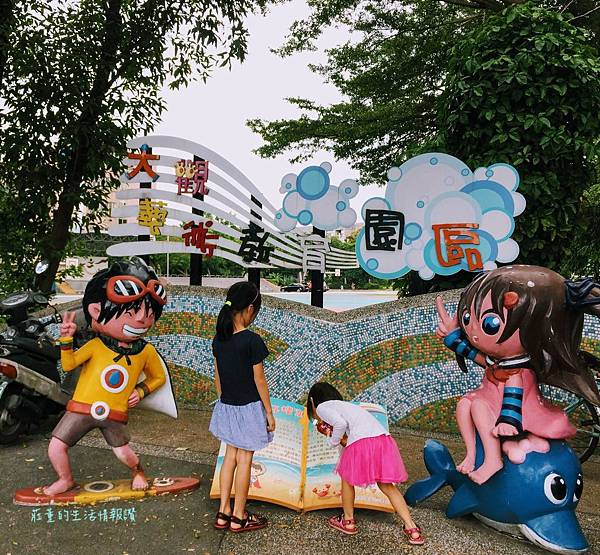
455 219
311 199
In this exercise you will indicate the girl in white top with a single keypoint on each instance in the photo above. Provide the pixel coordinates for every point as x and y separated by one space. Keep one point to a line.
370 456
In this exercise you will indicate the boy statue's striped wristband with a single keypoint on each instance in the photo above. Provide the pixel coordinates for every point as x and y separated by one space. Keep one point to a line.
65 343
143 390
512 403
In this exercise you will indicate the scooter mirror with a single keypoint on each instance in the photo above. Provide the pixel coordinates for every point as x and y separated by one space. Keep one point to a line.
41 267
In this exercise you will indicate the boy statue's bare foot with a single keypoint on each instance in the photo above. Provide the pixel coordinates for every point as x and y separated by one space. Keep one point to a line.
60 486
486 471
467 466
139 481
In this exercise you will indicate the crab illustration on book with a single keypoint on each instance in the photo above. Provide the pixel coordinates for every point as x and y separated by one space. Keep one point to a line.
119 372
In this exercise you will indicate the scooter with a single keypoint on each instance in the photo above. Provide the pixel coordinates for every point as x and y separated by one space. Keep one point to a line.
30 383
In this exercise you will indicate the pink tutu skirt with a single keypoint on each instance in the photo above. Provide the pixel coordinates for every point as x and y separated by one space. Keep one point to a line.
371 460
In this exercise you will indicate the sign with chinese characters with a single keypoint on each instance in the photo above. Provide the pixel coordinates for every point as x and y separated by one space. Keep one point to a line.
152 214
143 157
439 217
314 250
253 246
235 221
197 236
192 177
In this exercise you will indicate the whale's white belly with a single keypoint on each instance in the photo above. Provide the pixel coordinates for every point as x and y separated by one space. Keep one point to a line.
524 532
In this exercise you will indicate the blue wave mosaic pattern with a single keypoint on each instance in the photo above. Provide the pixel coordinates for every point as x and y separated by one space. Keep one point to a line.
316 346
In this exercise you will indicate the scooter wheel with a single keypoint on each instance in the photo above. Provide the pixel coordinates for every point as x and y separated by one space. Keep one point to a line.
10 426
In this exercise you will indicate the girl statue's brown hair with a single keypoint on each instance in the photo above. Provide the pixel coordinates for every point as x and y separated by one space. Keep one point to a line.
549 315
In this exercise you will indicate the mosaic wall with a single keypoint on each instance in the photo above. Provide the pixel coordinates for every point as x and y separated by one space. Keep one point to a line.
386 354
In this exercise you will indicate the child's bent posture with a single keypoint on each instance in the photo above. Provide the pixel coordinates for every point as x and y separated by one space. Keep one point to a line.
370 456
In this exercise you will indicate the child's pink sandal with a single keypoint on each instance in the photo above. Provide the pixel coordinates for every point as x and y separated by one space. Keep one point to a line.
342 525
408 532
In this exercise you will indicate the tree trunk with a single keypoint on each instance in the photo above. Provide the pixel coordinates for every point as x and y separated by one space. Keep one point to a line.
55 242
7 18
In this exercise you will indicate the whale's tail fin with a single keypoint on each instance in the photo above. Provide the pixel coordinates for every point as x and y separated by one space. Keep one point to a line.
440 464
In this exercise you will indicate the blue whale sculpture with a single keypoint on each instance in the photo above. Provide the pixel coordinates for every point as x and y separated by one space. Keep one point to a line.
535 499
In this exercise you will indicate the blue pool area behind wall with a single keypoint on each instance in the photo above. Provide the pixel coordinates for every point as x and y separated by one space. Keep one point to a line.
342 300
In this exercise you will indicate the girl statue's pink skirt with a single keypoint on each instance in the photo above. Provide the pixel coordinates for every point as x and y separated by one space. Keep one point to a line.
370 460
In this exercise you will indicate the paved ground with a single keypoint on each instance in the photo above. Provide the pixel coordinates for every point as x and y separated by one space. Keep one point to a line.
182 524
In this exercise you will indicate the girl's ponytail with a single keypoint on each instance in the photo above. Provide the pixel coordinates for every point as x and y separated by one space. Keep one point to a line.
239 297
225 322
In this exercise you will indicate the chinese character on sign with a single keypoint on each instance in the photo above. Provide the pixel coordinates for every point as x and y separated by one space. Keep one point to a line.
384 230
129 514
452 237
198 235
152 214
253 248
314 248
116 514
90 514
191 177
143 156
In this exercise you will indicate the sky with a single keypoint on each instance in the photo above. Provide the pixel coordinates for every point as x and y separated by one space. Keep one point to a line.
215 113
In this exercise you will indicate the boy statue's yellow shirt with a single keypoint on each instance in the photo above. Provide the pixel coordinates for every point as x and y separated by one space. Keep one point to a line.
104 379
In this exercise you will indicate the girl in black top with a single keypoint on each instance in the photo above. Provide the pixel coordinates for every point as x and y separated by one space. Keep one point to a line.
242 417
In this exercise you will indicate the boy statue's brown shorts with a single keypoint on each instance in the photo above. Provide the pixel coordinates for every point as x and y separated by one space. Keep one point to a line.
73 426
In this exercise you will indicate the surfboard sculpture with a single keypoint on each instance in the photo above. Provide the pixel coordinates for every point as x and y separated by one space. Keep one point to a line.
103 491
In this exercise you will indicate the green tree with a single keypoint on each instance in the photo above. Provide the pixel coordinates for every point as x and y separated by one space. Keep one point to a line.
80 79
7 19
584 259
525 88
404 55
390 74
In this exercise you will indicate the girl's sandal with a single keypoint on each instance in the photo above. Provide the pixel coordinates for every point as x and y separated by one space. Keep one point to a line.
248 524
342 525
221 516
418 540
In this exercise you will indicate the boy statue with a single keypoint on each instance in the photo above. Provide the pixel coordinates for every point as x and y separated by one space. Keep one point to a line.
119 368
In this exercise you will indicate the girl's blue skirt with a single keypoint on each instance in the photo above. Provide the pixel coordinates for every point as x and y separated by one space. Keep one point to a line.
242 426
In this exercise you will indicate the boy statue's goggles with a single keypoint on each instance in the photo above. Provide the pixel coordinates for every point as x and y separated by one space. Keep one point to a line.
126 289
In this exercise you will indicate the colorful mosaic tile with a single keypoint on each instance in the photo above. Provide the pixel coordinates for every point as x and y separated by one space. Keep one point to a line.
190 388
386 354
203 325
434 417
363 369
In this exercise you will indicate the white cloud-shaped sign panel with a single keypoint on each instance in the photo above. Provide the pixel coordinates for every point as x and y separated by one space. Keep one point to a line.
310 199
439 217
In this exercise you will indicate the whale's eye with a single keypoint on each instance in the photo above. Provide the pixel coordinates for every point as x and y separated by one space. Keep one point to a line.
491 324
578 488
555 488
466 318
